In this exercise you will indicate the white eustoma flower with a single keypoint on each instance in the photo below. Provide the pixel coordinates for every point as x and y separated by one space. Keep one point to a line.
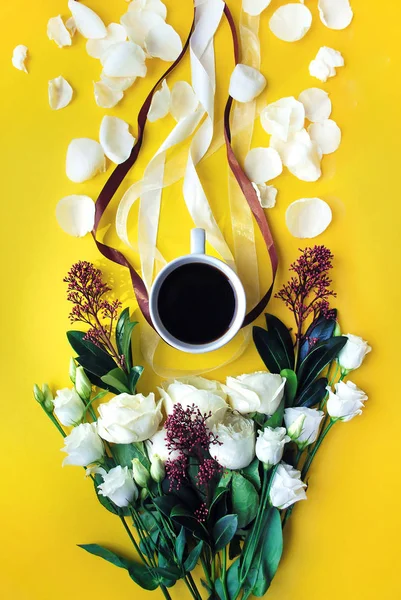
258 392
119 486
287 487
197 393
347 401
129 418
157 446
310 420
270 445
236 441
352 355
68 406
83 446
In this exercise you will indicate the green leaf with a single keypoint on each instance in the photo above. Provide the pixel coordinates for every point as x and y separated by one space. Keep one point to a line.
251 472
124 316
167 503
186 518
143 576
94 364
82 346
180 544
245 499
291 386
218 493
224 531
219 589
106 554
275 345
170 572
118 379
319 330
233 578
313 394
124 330
318 358
134 375
193 557
276 419
235 547
225 479
124 454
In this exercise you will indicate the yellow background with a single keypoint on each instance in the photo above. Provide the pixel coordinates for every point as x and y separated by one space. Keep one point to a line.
344 542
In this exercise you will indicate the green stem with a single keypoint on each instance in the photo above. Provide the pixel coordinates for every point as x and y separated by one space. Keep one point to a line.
316 448
191 585
205 567
133 540
224 573
55 422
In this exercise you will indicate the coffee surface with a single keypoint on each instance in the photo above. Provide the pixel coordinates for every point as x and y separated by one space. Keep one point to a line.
196 303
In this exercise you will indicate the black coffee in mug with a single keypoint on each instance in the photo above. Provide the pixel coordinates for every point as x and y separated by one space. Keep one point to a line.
196 303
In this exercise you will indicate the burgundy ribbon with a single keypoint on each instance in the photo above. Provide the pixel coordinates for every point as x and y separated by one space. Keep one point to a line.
120 172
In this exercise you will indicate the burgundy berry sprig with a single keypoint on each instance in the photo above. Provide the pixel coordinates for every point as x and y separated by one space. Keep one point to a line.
308 291
188 436
87 291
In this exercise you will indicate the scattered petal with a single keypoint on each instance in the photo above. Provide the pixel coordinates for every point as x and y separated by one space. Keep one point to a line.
325 63
88 23
105 96
124 59
60 93
85 158
71 26
266 194
115 138
160 106
262 164
20 54
300 155
117 83
183 100
308 217
137 25
58 32
291 22
283 117
246 83
317 104
335 14
162 41
115 33
76 215
326 134
155 6
254 7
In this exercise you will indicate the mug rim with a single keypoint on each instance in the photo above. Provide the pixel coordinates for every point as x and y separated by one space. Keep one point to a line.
240 304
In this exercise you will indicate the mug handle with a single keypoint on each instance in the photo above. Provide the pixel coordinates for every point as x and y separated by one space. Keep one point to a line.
198 241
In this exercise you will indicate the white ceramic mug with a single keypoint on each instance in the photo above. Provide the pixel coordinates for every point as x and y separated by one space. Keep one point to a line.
198 255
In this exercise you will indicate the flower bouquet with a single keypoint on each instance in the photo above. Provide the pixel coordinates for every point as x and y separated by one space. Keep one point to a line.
205 472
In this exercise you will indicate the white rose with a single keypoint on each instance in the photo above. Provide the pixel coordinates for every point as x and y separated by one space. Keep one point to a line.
352 355
83 446
68 406
270 445
201 383
127 419
309 420
119 486
347 401
259 392
287 487
187 395
236 437
157 446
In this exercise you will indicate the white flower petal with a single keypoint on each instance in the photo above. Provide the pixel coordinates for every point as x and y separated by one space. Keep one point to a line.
254 7
85 158
115 138
76 215
20 54
124 59
291 22
300 155
183 100
282 117
308 217
71 26
160 105
155 6
119 84
325 63
137 25
105 96
335 14
246 83
326 134
88 23
162 41
115 33
60 93
58 32
317 104
266 194
262 164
